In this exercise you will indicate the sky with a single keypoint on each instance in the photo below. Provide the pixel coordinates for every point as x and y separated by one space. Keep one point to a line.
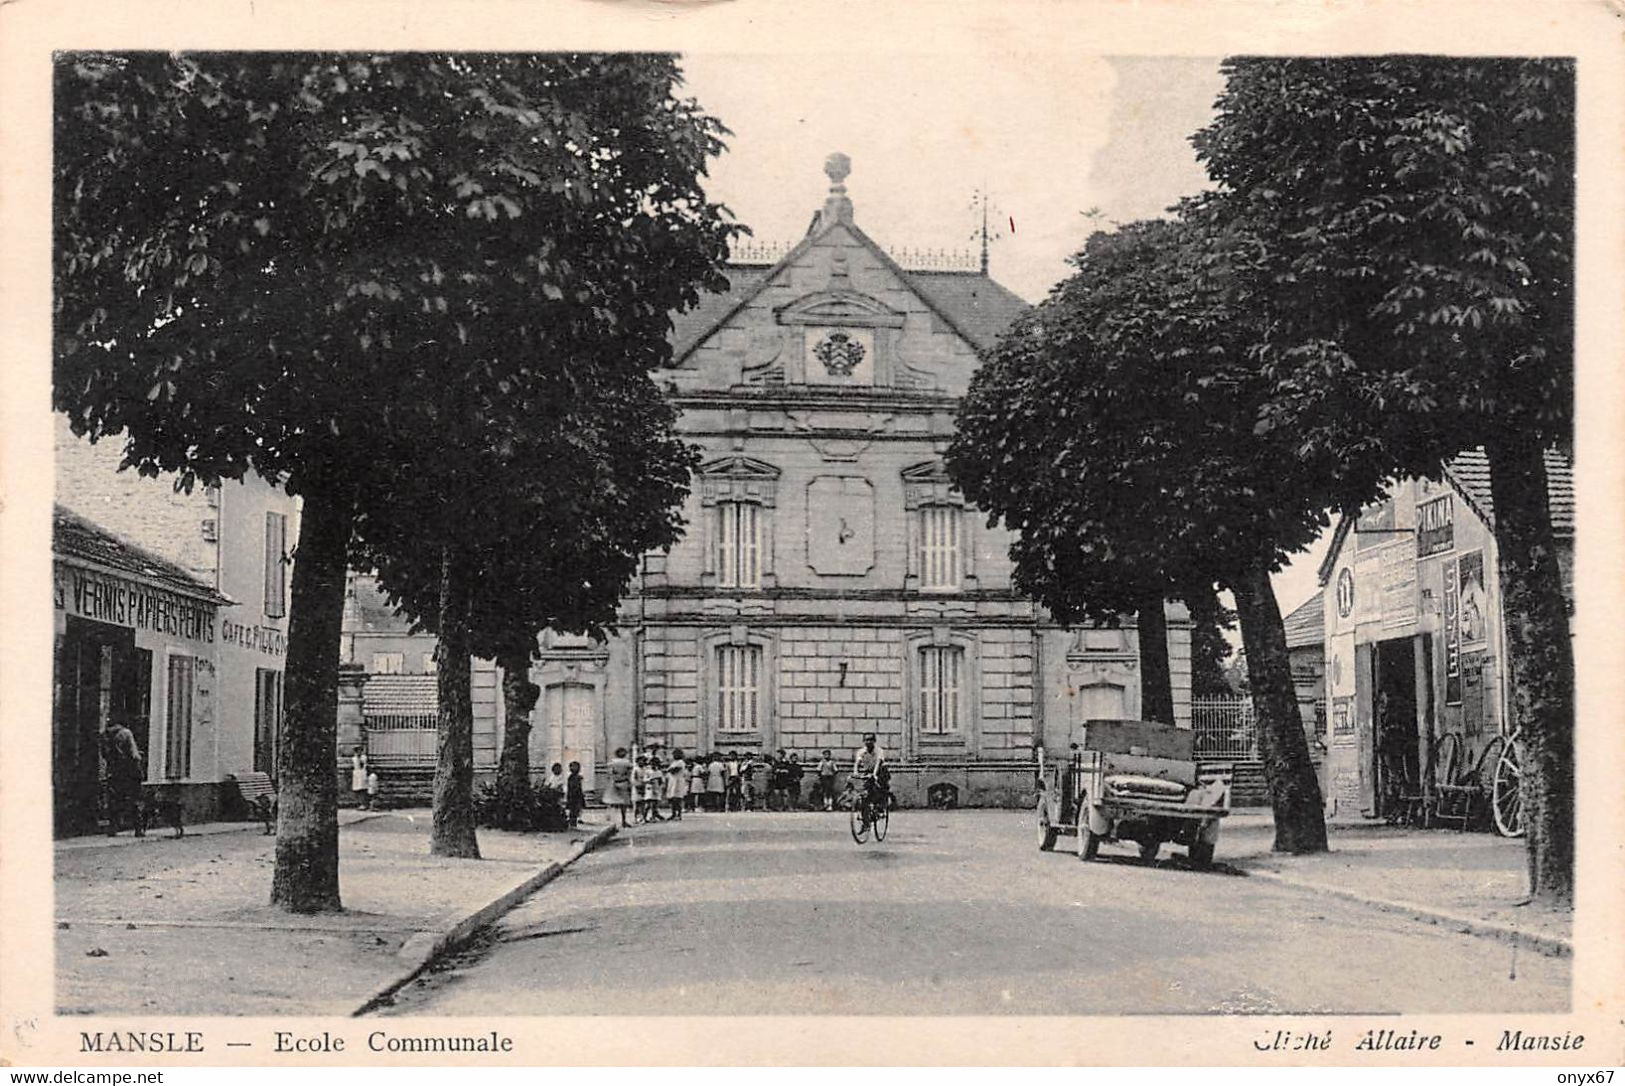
1063 144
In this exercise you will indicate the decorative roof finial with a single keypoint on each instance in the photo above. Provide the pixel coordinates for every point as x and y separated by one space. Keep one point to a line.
837 208
837 167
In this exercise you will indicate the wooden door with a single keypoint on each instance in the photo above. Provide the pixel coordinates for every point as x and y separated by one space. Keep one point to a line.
569 732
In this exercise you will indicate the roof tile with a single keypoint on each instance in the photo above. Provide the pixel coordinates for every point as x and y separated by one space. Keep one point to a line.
73 536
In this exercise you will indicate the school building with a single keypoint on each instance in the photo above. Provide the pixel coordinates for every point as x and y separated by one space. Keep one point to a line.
831 582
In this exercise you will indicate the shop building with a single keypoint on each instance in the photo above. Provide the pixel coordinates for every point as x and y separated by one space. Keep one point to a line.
1415 641
237 538
138 640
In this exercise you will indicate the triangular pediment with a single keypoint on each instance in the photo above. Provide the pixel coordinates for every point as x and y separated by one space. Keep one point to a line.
846 307
932 471
740 467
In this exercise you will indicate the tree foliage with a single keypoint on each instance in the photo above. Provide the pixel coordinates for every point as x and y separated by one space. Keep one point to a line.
1115 431
1415 223
1416 218
303 264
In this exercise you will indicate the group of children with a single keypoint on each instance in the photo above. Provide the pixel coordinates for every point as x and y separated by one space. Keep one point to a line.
640 786
363 780
571 790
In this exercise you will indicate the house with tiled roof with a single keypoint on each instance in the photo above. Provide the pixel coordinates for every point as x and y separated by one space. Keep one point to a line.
135 632
1415 644
832 582
235 536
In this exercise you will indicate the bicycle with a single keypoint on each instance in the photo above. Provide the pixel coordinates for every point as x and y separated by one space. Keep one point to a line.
868 814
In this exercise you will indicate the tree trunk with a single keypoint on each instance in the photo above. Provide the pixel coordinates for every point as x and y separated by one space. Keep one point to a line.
519 696
1156 678
1208 645
1300 820
1542 663
453 833
306 876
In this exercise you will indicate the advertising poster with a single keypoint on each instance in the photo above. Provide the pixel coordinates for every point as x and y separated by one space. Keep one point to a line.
1473 609
1435 527
1452 637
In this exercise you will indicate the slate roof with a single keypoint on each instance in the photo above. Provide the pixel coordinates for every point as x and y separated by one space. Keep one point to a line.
1470 472
974 304
1307 625
693 325
73 536
981 307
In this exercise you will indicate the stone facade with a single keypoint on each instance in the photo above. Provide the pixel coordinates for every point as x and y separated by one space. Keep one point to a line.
832 582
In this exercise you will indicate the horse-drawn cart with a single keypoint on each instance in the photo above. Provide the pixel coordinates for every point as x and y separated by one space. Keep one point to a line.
1131 780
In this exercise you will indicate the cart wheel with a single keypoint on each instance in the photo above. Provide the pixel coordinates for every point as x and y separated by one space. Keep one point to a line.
1201 855
882 821
1047 834
1149 850
1506 794
860 828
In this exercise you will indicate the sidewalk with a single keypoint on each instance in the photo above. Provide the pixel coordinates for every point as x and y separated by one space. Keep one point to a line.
1468 881
156 925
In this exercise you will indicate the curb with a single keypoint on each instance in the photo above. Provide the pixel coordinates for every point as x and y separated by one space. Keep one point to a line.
1551 946
219 829
423 949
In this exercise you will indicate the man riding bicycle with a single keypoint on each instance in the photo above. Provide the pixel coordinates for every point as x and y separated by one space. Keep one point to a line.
869 768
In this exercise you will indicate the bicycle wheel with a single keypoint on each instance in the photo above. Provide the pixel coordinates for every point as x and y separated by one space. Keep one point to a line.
860 824
882 821
1506 798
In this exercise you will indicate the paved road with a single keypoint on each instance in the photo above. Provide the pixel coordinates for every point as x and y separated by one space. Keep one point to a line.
956 913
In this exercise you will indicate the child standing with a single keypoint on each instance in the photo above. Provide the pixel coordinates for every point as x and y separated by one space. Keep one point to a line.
372 788
676 784
640 801
575 795
696 782
826 780
716 782
618 793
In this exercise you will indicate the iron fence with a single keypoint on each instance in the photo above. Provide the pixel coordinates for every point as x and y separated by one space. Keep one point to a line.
1225 729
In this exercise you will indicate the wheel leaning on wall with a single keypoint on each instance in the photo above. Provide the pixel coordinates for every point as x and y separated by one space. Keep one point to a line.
1506 791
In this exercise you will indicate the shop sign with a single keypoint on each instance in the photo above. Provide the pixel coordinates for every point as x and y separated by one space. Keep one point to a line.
265 639
1435 527
1452 638
103 598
